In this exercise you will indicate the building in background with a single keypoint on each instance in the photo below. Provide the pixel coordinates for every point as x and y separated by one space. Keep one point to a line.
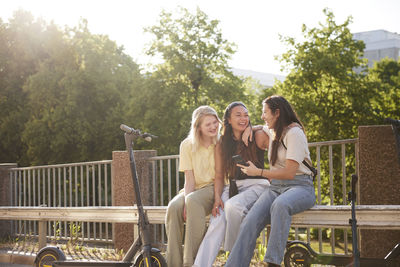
379 44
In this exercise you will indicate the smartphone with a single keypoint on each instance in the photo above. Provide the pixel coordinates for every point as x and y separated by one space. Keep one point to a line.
239 160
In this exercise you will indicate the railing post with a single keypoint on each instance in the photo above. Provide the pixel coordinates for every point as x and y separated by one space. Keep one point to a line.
379 184
42 234
123 193
5 196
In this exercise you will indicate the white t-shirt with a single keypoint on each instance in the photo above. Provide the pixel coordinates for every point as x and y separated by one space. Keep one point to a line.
297 149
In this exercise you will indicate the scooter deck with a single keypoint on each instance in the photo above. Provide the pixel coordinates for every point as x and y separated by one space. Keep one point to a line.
92 263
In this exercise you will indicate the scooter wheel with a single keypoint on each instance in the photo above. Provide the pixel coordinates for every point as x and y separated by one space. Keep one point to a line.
297 257
47 258
157 260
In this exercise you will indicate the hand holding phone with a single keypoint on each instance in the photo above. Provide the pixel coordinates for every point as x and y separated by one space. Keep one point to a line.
239 160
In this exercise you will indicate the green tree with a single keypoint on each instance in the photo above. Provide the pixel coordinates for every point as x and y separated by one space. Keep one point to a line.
194 72
327 92
193 48
78 97
384 78
21 49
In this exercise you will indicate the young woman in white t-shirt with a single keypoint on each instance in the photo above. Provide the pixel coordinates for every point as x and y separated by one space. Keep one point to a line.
291 190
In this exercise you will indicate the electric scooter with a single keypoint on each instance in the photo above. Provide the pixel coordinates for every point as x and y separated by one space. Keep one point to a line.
147 255
299 253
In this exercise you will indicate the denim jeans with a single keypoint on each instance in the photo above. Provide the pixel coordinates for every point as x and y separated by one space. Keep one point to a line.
227 224
275 206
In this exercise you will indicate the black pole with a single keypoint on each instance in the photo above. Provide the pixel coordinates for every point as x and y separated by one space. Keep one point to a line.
353 221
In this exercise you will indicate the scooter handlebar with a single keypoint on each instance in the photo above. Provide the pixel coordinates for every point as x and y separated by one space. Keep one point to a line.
146 136
128 129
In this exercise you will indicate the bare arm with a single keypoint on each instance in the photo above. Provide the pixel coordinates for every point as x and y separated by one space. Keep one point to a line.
249 132
262 139
218 180
190 183
189 187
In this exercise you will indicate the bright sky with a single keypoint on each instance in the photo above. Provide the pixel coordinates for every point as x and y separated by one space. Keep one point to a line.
253 25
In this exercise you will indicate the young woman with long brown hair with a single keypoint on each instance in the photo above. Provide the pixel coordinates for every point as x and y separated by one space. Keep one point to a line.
291 190
228 213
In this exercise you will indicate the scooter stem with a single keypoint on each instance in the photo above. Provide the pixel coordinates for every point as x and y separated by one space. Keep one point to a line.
144 225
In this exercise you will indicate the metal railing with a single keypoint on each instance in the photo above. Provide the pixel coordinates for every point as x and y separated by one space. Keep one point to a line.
82 184
335 171
329 157
171 178
89 184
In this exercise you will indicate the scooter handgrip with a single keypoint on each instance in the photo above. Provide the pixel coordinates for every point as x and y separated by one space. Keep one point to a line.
126 128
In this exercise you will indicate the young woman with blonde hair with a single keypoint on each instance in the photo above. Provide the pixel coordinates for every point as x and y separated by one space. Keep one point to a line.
193 203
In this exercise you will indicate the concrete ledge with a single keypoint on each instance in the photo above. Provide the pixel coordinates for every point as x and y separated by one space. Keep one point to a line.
368 216
17 258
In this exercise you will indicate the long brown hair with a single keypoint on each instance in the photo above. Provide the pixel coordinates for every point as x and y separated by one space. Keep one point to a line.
287 115
231 147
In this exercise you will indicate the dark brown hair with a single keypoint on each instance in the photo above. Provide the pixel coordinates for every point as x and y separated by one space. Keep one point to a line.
287 115
231 147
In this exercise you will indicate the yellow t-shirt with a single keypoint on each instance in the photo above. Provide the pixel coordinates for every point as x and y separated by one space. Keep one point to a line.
201 162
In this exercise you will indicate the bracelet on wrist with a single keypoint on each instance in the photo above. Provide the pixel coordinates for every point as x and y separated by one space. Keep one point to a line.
262 170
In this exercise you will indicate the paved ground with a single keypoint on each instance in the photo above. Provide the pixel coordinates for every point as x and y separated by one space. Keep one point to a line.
13 265
15 259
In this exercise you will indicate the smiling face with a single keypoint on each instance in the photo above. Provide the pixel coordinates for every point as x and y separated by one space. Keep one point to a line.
239 118
209 126
269 117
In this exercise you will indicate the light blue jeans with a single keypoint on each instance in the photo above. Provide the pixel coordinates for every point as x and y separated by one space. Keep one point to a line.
275 206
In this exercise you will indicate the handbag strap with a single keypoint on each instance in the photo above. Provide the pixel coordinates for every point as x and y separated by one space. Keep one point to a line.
311 168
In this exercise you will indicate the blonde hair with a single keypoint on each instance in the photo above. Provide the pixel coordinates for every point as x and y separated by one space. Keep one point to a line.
197 118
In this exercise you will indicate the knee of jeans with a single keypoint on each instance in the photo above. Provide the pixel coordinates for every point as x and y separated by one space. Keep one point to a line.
280 205
232 208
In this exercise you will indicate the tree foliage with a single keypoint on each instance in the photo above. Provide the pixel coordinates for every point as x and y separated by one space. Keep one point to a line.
327 92
193 50
194 72
64 92
384 77
20 51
